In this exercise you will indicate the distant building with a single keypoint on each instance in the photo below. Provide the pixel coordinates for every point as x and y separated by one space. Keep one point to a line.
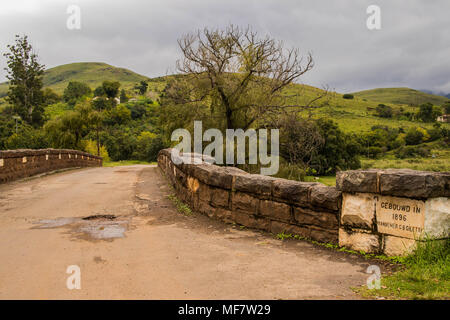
117 100
444 118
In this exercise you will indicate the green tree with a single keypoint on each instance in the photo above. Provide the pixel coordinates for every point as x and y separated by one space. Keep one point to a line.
446 107
147 147
142 87
119 115
99 92
428 113
68 130
348 96
74 91
414 136
339 151
384 111
111 88
50 97
123 96
25 81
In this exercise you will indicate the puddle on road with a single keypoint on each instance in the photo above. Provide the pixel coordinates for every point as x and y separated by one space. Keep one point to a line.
105 229
54 223
96 227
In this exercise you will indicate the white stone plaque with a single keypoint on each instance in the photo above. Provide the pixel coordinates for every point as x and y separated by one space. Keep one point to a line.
400 216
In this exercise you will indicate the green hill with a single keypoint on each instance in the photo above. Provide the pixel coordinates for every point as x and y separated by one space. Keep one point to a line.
352 115
400 96
92 73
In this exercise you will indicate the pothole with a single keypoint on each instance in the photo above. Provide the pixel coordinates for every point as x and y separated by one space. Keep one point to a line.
97 227
100 217
104 229
54 223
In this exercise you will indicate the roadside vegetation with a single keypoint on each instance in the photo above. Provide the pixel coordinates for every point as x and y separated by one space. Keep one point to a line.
126 163
425 274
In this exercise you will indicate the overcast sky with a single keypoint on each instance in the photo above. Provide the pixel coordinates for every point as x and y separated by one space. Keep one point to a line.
412 48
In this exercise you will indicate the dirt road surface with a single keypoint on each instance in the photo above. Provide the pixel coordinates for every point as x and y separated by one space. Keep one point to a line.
134 244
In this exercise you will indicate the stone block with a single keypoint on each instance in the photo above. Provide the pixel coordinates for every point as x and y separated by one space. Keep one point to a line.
293 191
306 216
223 177
357 181
251 221
414 184
396 246
223 215
325 197
204 192
275 210
244 202
324 235
205 208
358 210
254 183
359 241
220 197
437 217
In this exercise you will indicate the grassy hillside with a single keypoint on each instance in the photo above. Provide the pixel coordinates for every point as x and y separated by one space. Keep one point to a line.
400 96
92 73
352 115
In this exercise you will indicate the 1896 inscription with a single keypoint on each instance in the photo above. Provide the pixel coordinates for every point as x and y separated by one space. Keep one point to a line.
400 217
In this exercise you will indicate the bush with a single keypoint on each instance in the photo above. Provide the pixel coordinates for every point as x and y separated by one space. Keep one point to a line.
26 138
413 137
339 152
118 115
428 113
90 146
138 110
147 147
384 111
120 143
348 96
74 91
374 152
411 152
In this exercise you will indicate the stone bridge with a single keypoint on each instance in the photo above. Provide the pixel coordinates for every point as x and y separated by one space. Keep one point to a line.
130 235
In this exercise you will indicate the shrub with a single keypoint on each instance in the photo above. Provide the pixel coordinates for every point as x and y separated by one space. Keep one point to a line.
411 152
413 137
74 91
148 146
90 146
348 96
384 111
339 152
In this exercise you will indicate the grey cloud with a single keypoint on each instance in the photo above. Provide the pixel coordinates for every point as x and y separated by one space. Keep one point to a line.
412 49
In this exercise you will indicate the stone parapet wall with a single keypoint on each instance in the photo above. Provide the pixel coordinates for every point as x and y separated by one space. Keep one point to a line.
307 209
387 211
17 164
376 211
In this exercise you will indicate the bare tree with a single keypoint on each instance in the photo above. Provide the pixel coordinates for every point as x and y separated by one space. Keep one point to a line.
239 74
